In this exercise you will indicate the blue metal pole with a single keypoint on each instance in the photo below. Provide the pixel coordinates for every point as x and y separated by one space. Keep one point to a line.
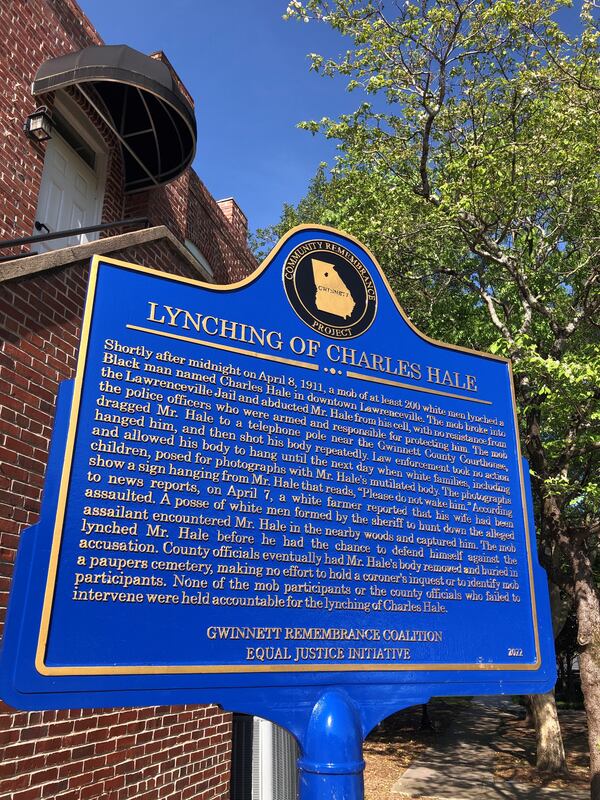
331 764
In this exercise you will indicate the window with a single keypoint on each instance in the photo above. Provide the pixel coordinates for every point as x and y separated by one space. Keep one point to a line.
72 138
191 247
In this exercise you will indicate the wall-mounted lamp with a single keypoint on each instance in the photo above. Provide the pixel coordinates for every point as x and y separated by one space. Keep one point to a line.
38 125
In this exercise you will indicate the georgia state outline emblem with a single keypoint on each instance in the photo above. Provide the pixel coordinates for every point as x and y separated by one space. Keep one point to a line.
330 289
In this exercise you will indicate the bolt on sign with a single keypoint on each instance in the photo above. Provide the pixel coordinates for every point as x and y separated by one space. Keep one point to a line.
279 496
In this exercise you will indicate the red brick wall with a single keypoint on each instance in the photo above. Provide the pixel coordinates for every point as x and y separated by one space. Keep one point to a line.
32 31
226 252
142 753
235 216
187 208
164 205
36 30
168 752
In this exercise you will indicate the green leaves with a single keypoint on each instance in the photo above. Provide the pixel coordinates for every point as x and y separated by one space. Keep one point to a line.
475 179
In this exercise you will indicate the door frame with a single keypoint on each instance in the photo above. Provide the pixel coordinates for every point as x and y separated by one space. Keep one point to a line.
76 118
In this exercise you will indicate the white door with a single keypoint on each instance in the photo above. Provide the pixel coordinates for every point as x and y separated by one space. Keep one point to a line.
69 196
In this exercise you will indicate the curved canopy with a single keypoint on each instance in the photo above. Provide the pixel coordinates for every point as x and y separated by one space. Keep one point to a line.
138 98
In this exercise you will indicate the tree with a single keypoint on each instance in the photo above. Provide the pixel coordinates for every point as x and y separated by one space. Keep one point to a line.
476 181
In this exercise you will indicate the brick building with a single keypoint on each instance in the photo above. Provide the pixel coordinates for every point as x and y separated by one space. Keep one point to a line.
102 165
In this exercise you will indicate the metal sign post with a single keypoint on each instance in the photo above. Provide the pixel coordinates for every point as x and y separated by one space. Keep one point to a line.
331 764
281 497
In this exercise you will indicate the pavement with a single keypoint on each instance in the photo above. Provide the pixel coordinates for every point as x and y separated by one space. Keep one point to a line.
460 766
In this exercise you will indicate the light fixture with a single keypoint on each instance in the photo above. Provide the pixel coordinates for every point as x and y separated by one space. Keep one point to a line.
38 125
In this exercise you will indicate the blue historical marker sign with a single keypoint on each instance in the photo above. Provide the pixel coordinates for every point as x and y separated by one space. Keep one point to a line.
260 490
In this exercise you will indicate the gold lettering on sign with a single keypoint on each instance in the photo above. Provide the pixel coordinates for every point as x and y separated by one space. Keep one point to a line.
262 489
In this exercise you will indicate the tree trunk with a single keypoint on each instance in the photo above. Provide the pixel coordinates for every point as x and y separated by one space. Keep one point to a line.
589 663
550 750
550 754
588 637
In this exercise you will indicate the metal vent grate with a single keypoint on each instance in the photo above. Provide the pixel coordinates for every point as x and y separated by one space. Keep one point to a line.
240 787
284 756
263 765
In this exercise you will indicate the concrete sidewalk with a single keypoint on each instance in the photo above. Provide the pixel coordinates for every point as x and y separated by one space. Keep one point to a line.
461 764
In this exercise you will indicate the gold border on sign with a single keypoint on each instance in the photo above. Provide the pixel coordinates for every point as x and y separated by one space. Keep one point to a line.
217 346
180 669
375 379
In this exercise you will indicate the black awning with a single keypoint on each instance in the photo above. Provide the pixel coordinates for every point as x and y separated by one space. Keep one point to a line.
138 98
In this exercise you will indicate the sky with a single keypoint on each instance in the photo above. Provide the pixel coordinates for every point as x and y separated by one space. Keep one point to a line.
248 72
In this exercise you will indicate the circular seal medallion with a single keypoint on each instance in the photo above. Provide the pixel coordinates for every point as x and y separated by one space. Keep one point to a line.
330 289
